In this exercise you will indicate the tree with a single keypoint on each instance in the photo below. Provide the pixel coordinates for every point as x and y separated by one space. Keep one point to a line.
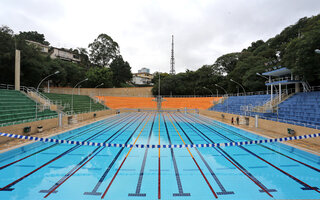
103 50
7 47
98 75
121 71
226 63
34 36
301 58
84 57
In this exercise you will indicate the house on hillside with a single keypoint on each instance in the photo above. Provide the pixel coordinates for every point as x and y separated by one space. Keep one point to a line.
56 53
43 48
64 54
143 77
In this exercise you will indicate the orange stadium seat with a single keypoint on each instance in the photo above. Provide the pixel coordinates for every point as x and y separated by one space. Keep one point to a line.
146 102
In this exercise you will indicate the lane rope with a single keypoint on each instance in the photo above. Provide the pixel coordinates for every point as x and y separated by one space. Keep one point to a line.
164 146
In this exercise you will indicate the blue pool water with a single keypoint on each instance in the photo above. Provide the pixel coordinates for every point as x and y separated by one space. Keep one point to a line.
63 171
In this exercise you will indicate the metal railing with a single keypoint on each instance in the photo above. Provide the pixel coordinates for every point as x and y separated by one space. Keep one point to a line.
32 90
282 79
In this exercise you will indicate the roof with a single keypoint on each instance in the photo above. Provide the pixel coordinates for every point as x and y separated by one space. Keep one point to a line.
278 72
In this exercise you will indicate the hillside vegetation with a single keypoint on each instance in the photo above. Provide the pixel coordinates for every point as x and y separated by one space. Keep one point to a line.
293 48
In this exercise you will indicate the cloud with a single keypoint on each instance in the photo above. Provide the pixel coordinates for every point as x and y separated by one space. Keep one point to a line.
203 29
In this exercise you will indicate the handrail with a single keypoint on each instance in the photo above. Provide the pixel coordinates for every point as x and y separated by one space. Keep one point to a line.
282 79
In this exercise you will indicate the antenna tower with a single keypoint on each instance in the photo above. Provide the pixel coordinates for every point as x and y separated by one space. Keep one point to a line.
172 70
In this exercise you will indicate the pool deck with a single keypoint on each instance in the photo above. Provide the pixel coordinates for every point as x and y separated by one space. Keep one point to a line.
13 144
300 144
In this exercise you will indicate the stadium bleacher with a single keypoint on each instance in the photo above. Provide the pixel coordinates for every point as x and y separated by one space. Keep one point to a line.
303 107
233 104
17 107
170 102
81 103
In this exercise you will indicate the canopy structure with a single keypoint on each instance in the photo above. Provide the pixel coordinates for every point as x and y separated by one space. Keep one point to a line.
281 76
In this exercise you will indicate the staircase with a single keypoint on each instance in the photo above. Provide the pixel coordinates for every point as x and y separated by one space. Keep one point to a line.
44 102
271 106
306 87
220 101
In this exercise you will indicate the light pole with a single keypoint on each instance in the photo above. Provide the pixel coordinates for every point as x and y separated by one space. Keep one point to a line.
245 97
258 74
91 93
226 94
72 93
57 72
221 88
211 93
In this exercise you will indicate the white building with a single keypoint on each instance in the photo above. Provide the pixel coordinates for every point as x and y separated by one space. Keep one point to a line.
54 52
143 77
64 55
43 48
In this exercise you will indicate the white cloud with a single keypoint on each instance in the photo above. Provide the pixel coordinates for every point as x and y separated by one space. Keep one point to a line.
203 29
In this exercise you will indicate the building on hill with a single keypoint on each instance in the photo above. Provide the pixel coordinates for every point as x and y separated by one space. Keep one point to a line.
43 48
56 53
143 77
64 54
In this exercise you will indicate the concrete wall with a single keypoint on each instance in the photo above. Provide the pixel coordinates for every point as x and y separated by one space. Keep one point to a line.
47 124
132 91
268 127
87 116
18 128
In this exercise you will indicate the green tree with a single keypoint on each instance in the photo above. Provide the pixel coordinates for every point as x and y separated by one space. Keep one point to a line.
121 71
34 36
226 63
98 75
301 58
84 57
7 52
103 50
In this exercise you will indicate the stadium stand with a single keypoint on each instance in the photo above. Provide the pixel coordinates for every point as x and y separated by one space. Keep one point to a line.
303 107
190 102
146 102
234 104
128 102
16 107
81 103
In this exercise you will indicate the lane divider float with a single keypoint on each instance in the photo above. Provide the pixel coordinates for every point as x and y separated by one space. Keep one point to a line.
164 146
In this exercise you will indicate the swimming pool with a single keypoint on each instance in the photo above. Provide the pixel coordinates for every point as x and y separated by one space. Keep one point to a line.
64 171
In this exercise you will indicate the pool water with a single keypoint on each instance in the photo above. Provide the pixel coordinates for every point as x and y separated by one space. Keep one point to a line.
64 171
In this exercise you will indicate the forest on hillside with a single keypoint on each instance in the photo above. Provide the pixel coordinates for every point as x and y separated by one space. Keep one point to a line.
293 48
103 62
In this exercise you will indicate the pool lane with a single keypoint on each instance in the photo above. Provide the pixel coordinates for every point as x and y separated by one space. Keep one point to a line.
66 151
203 175
231 160
63 171
224 128
123 161
74 134
270 166
95 152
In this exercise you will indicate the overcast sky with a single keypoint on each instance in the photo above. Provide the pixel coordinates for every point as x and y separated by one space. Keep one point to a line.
203 29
